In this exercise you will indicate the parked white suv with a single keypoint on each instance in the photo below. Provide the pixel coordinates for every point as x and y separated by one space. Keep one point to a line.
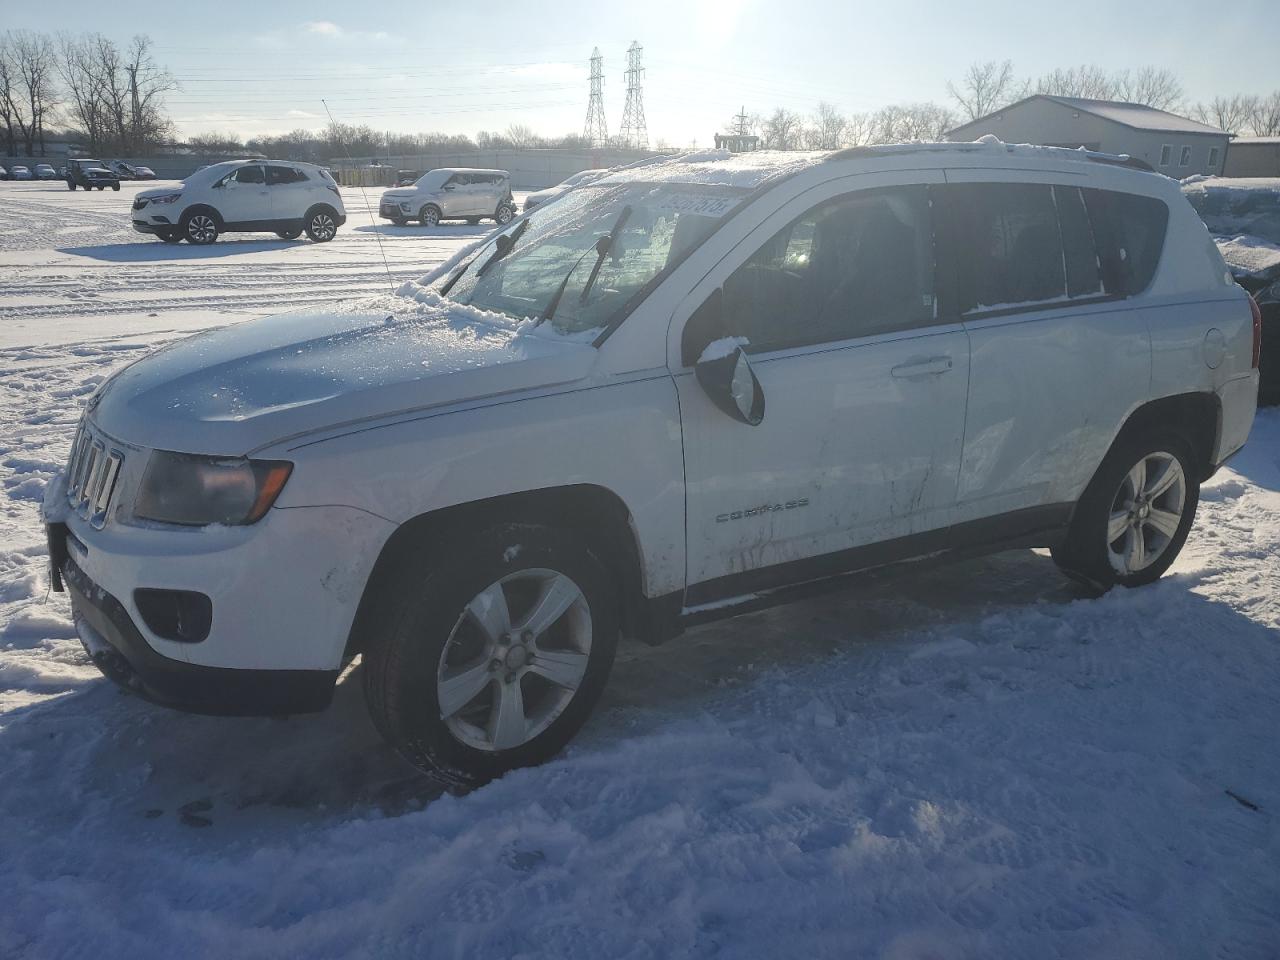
665 397
273 196
451 194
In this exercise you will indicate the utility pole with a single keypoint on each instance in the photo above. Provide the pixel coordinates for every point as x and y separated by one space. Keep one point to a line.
596 131
742 121
635 132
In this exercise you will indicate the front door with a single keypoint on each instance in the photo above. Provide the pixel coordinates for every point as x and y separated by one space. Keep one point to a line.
865 391
244 196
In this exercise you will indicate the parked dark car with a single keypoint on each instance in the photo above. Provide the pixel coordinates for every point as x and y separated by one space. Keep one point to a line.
20 172
83 172
143 173
1243 215
407 178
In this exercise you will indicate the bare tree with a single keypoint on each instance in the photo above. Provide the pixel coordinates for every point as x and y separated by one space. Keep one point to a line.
1265 119
521 136
826 129
1152 86
10 103
147 84
31 95
904 123
782 130
1227 113
1085 81
985 88
859 130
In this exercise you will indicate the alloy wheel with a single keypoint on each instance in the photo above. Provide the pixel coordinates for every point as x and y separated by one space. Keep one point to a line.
323 227
514 660
202 229
1146 512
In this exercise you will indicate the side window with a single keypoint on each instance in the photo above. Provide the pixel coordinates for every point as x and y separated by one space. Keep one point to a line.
854 266
277 174
1184 159
1079 253
1006 244
250 174
1166 154
1129 231
1213 158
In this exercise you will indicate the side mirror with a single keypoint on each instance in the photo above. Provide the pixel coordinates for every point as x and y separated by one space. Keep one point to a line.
731 383
450 186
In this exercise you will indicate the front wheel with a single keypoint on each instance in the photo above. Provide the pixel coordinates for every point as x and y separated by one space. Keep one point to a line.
322 226
429 215
490 654
1134 517
288 234
200 229
170 236
115 186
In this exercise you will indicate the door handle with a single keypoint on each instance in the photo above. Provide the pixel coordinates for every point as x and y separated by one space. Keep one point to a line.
934 366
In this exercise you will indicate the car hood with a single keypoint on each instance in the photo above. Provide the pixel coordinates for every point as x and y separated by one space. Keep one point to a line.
404 193
231 391
153 192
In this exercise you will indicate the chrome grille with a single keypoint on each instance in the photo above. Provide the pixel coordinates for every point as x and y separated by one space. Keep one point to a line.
92 473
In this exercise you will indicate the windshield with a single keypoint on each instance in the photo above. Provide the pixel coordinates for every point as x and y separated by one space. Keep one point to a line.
552 256
433 179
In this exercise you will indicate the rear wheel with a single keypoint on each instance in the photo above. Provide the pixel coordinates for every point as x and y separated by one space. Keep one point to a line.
429 215
492 651
472 221
399 221
71 185
170 236
322 226
1134 517
505 213
200 228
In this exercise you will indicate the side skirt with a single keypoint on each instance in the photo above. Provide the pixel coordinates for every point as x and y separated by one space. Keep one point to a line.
740 593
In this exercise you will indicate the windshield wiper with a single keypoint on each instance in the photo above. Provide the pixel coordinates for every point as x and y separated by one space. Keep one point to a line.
601 248
504 245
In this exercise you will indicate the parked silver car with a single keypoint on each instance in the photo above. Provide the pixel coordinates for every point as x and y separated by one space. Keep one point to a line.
451 194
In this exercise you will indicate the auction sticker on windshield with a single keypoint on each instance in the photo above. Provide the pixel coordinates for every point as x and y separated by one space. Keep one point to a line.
696 203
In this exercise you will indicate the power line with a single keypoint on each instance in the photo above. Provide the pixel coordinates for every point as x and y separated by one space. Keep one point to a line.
635 132
596 131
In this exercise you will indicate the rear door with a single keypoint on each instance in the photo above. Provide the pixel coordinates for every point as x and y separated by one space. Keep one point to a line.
290 191
455 196
864 395
1058 359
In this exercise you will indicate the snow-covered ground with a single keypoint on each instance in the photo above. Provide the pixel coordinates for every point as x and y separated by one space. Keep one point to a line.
969 761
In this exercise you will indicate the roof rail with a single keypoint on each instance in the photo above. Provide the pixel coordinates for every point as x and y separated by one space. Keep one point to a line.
987 144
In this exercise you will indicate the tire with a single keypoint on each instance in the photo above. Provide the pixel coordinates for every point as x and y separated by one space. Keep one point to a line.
115 187
200 228
423 629
322 225
429 215
399 221
71 185
1149 531
504 214
102 188
472 221
170 236
288 234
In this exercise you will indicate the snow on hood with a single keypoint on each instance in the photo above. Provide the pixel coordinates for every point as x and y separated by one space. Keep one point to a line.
231 391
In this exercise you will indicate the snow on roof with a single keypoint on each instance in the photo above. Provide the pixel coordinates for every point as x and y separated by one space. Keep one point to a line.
718 168
1255 141
1135 115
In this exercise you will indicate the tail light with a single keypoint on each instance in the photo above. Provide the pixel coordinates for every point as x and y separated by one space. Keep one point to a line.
1257 331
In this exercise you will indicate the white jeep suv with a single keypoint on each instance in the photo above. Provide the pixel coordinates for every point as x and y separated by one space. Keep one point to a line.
668 396
284 198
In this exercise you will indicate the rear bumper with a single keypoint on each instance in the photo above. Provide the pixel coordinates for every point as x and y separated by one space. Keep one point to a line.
1239 403
119 650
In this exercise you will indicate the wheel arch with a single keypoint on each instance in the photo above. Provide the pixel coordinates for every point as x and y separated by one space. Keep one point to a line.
592 512
203 208
317 208
1197 416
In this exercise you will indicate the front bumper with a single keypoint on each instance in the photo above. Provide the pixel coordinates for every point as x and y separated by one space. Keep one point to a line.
119 650
143 226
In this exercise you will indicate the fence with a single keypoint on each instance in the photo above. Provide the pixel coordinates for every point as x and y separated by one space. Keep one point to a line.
529 169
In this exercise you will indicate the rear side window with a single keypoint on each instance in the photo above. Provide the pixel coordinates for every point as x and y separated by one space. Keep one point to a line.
281 174
1006 244
1129 231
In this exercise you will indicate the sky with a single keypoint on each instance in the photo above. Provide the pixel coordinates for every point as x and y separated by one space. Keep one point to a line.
255 67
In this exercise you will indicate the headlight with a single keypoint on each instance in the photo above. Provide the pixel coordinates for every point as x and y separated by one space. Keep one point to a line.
167 198
180 488
405 206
